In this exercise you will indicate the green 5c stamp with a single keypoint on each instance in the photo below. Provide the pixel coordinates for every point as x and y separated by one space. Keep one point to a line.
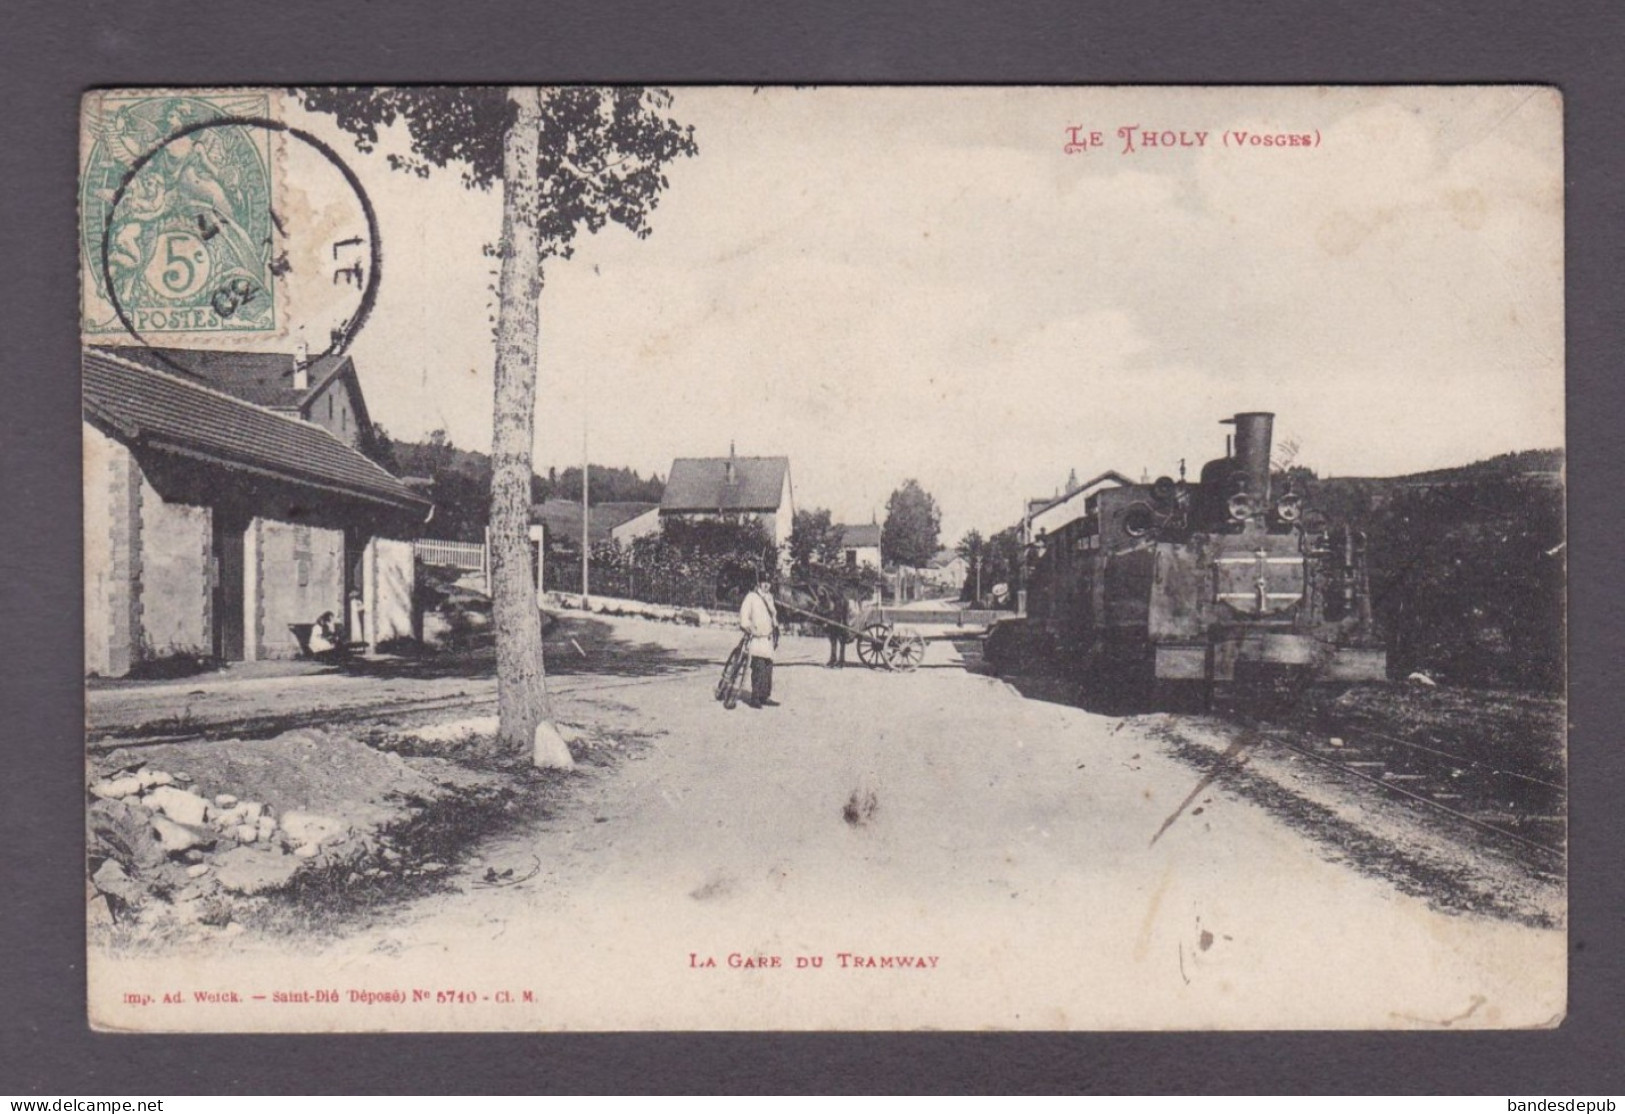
176 225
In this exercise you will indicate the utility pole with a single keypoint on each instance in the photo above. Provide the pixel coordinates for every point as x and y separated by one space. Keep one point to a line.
586 549
978 562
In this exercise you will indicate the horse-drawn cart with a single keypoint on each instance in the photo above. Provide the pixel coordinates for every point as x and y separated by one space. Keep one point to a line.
880 644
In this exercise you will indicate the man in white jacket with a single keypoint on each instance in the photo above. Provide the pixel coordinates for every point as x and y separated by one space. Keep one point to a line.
759 618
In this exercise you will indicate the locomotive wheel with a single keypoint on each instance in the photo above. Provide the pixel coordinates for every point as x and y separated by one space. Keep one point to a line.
872 642
905 651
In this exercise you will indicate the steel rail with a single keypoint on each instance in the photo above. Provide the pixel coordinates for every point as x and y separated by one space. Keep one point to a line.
114 741
1464 761
1344 767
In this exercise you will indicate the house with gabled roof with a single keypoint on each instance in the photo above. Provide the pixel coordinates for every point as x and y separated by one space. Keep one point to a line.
562 518
733 486
217 527
946 569
323 390
1046 516
860 545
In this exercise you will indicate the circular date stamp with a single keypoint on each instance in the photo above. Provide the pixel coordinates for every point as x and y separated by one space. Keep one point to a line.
191 236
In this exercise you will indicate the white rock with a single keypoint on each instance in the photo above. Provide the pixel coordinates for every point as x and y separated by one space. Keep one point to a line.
117 788
1335 741
250 870
225 800
312 828
231 817
245 833
197 870
266 827
455 731
151 778
307 850
549 751
111 879
175 836
178 804
1420 678
251 810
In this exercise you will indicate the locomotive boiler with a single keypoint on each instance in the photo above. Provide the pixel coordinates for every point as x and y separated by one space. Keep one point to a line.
1173 589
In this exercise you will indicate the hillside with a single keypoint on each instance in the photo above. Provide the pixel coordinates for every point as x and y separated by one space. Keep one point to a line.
462 483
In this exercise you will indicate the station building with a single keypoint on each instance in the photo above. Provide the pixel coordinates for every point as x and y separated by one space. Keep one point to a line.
217 527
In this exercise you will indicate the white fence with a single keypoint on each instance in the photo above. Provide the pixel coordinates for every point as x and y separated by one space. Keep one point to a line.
457 555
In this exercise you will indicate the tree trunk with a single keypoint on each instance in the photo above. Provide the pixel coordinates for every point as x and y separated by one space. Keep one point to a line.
522 704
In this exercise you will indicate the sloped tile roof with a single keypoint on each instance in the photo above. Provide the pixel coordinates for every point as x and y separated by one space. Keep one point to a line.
263 378
861 536
1036 507
161 410
700 484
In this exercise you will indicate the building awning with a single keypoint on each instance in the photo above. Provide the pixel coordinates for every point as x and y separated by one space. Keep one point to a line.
156 410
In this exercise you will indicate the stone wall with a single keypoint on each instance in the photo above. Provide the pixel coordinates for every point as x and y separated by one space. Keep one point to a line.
175 581
294 572
333 412
112 486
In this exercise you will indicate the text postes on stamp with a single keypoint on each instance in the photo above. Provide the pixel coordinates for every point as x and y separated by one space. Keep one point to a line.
178 233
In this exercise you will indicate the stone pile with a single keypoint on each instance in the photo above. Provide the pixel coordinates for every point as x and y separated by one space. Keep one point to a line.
154 834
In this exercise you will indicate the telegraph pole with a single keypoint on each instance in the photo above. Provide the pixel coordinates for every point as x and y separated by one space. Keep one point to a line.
585 547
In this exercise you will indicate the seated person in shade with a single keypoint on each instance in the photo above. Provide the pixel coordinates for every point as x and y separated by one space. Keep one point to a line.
324 636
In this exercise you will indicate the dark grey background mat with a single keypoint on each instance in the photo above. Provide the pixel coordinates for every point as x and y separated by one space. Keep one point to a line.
53 52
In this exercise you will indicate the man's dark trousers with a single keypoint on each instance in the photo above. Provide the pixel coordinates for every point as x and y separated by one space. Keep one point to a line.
761 679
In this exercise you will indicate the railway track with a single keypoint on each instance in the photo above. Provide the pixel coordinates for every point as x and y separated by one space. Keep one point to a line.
1521 808
112 737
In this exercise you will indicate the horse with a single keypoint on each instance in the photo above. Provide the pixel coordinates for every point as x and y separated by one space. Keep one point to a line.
827 599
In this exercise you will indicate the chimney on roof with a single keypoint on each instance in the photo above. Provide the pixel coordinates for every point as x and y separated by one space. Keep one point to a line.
301 367
732 471
1072 481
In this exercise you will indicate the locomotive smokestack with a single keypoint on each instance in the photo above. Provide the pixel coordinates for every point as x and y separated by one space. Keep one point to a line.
1252 453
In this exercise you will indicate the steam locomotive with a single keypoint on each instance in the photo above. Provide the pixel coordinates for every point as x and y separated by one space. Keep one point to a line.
1170 591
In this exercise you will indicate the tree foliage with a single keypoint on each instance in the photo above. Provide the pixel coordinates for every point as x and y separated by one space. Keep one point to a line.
461 483
690 562
608 485
601 157
1000 557
814 539
1467 575
909 535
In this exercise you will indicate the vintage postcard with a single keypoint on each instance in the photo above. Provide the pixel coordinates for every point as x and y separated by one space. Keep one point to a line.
624 558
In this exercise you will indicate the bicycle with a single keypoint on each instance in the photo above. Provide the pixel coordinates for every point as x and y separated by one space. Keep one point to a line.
734 674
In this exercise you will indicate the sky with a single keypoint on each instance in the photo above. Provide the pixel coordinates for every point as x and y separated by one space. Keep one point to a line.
894 283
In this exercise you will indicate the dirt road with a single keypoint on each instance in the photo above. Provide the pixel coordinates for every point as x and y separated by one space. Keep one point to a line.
1001 855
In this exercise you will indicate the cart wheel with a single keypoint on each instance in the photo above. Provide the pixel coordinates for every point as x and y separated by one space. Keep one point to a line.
905 651
872 642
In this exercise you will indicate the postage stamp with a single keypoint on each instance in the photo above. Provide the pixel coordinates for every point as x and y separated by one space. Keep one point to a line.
824 558
177 221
